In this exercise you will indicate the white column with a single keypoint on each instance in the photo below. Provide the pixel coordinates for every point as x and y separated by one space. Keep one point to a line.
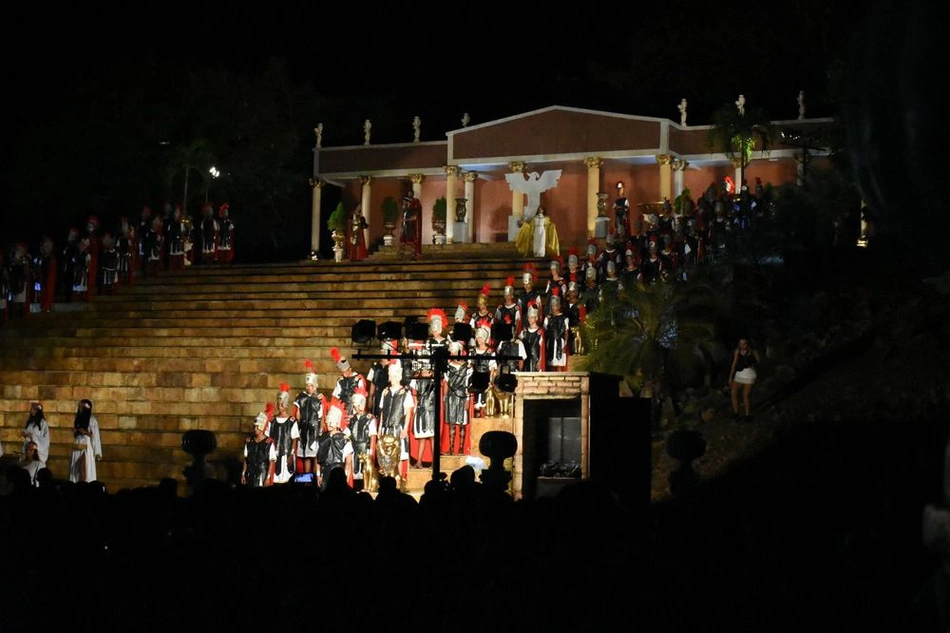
679 166
316 186
593 188
470 178
517 203
366 200
451 180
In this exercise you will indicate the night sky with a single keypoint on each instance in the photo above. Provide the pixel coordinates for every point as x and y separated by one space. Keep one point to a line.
429 61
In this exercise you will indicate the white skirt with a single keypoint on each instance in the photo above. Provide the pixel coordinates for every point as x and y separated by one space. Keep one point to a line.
746 377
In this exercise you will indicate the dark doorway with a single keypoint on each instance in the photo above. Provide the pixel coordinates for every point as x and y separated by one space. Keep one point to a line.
552 446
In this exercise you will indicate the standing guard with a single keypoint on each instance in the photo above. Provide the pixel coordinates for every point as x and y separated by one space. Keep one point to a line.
309 409
226 235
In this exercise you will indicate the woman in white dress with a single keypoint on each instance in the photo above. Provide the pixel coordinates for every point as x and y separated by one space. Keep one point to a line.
87 445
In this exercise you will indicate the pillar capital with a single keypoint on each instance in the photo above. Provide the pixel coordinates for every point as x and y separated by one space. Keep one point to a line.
317 183
593 162
679 164
736 162
470 176
416 179
517 166
451 170
663 159
365 180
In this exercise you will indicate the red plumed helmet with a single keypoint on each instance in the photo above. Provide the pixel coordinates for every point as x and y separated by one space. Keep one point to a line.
269 410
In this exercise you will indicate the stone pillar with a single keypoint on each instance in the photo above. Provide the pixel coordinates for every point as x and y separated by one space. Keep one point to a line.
470 177
664 160
593 188
517 203
738 176
316 186
451 180
366 200
679 166
416 180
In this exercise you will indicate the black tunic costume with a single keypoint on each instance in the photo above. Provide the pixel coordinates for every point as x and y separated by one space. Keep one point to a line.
309 422
456 395
258 461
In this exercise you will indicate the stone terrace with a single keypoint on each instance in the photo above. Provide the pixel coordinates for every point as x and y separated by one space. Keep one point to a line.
206 348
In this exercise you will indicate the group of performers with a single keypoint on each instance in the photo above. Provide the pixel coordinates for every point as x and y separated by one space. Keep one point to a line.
385 421
94 262
86 448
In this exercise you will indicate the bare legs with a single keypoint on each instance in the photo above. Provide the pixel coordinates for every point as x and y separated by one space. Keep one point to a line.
746 398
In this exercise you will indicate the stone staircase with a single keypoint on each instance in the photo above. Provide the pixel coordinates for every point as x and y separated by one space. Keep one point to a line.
207 347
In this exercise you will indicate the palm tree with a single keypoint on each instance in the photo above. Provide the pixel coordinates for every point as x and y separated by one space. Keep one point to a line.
654 334
737 134
182 159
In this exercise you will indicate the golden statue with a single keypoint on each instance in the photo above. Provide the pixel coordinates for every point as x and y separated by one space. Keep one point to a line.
388 448
370 478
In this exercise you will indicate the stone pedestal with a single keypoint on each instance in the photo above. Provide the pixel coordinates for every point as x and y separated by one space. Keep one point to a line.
601 227
460 232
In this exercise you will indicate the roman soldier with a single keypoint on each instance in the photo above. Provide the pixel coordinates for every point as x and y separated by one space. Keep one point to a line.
557 279
81 265
576 316
346 384
45 267
20 280
93 248
153 240
378 375
128 250
209 231
509 311
556 334
226 233
457 410
621 214
260 453
480 364
144 227
534 341
426 390
285 432
68 262
412 224
109 262
397 408
356 238
529 294
309 408
483 316
363 429
175 240
336 449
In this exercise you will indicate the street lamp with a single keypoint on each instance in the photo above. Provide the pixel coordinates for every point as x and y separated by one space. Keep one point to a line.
214 174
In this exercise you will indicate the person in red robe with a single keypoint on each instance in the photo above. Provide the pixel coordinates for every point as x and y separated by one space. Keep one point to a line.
46 274
355 235
412 224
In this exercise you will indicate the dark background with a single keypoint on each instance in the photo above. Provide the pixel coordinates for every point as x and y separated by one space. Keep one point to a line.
96 96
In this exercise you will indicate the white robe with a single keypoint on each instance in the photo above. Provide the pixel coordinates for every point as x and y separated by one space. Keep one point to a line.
88 449
40 435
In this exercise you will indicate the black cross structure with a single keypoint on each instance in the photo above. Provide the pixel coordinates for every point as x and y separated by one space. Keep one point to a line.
439 358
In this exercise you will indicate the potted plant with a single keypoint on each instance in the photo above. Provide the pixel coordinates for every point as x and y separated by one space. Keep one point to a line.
337 224
439 209
390 219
